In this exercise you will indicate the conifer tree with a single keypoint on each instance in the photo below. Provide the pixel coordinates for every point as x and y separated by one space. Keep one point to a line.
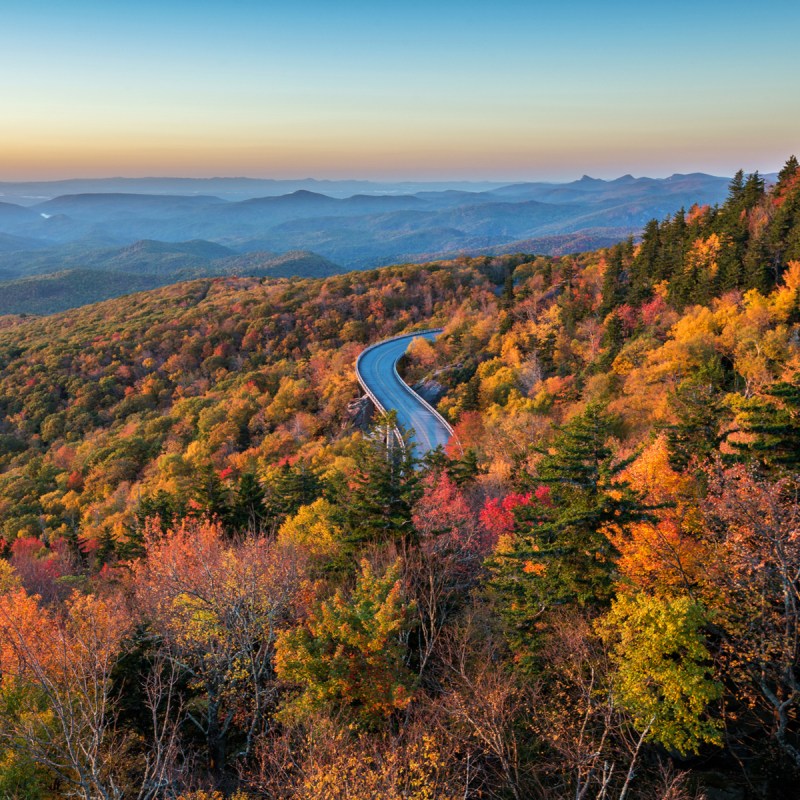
349 655
106 549
465 469
561 553
644 267
249 510
736 188
788 171
772 424
293 486
695 434
673 243
783 232
613 339
614 281
757 266
384 488
730 224
212 495
161 506
471 401
753 190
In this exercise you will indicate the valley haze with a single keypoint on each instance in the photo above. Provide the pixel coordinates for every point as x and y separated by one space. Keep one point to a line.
67 243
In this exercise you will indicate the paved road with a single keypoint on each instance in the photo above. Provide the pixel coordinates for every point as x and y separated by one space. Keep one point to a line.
377 372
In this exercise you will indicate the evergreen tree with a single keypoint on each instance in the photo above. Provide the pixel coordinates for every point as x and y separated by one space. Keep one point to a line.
161 506
471 401
730 224
106 550
614 281
783 231
561 553
792 251
212 495
673 241
249 510
384 488
644 267
736 188
464 470
729 262
507 296
753 190
349 655
757 266
695 434
788 171
612 342
545 349
293 486
773 427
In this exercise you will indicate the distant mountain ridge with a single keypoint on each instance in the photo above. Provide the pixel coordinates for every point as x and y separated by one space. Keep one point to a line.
162 232
147 265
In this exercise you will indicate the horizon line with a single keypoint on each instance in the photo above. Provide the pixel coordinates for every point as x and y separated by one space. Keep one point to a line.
396 181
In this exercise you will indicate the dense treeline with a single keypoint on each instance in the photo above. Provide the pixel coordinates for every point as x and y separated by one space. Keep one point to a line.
215 582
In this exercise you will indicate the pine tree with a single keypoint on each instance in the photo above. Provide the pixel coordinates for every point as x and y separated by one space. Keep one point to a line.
673 241
293 486
249 510
471 401
212 495
507 295
788 171
757 266
644 267
736 188
614 281
561 553
773 427
753 190
161 506
384 488
349 655
465 469
696 432
107 549
730 224
729 261
612 342
783 232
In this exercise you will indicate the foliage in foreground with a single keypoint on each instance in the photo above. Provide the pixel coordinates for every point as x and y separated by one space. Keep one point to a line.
215 582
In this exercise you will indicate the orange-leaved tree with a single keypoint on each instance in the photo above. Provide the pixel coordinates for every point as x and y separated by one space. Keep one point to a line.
56 692
216 607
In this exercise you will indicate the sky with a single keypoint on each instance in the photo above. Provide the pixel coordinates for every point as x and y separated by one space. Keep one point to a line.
439 90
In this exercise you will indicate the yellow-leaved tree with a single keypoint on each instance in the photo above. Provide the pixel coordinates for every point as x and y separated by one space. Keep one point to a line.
663 675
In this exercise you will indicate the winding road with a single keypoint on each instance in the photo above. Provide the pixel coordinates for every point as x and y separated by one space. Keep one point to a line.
376 370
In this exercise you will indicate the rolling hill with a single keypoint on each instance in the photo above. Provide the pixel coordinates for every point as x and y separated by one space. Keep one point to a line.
146 265
309 233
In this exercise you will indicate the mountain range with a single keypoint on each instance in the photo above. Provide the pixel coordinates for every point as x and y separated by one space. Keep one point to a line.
58 250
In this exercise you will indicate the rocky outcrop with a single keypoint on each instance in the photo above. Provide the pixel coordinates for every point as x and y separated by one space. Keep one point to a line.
359 413
429 390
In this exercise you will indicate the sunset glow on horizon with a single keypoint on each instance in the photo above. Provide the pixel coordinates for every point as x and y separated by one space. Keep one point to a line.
458 91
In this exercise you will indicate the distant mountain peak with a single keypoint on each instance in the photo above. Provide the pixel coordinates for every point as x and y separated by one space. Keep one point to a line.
300 193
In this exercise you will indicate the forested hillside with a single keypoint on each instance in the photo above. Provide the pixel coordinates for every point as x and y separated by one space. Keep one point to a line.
217 578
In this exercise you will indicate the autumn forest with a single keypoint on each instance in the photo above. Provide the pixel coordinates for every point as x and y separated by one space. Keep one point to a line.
221 578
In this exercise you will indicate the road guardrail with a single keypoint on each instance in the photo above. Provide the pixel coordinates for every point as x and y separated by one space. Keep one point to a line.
377 403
